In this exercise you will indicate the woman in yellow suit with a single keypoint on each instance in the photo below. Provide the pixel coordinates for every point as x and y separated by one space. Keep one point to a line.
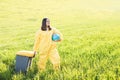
45 45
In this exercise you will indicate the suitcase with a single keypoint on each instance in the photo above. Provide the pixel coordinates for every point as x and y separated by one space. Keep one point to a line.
23 61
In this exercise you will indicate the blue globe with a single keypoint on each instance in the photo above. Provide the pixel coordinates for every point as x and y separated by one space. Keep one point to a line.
55 37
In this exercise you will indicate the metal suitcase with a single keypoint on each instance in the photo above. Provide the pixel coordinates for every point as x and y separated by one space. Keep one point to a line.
23 61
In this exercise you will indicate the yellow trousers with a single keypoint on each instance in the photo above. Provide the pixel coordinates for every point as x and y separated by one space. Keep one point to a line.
52 55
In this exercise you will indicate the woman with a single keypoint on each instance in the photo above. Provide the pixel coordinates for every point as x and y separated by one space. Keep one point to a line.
45 45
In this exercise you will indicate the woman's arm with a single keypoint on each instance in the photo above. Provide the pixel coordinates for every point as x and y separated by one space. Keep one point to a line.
37 42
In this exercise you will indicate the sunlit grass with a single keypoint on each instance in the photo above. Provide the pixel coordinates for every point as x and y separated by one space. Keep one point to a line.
91 46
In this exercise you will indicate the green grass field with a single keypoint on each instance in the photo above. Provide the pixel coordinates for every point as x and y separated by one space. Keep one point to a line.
91 46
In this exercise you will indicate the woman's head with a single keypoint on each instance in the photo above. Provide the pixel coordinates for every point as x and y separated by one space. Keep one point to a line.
45 24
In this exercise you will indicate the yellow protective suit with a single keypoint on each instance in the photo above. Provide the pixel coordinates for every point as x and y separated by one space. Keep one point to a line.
47 48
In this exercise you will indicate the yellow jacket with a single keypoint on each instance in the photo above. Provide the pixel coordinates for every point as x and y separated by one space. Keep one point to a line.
43 40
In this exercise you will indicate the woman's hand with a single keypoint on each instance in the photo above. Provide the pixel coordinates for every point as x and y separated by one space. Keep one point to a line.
58 40
34 53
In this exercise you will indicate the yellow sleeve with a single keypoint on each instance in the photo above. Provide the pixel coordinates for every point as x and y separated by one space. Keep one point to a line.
57 31
37 41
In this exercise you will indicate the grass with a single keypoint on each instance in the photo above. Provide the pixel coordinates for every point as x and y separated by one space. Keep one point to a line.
91 46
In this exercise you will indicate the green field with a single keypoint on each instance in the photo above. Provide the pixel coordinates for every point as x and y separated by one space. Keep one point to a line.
91 46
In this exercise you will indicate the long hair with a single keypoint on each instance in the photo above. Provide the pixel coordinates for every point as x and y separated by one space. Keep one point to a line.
44 27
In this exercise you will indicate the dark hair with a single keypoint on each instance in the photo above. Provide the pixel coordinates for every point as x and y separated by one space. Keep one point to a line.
44 27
